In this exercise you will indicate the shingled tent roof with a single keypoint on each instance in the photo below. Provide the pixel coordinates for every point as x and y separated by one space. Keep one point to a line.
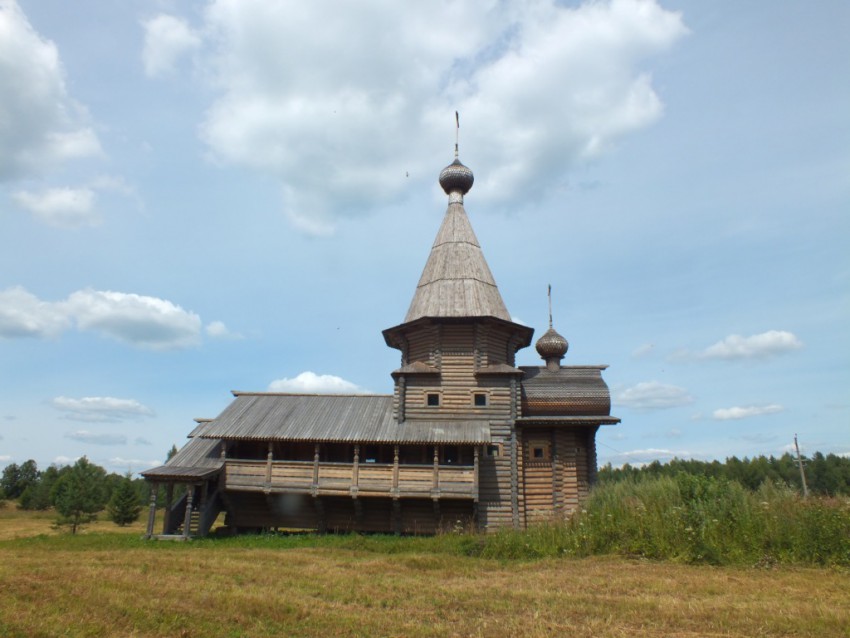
456 280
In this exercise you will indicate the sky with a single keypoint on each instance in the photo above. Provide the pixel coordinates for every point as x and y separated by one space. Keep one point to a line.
200 197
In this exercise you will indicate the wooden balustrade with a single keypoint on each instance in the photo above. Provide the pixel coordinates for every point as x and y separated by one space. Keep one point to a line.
353 479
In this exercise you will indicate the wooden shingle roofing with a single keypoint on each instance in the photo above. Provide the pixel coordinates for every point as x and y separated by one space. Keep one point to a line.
198 459
333 418
570 391
456 280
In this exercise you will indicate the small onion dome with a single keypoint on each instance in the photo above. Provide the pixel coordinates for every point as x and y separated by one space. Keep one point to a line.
551 345
456 178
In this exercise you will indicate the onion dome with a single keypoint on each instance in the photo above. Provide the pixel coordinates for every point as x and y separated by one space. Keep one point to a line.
552 345
456 178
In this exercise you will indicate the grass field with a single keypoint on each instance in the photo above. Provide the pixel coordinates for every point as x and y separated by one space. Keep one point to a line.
108 582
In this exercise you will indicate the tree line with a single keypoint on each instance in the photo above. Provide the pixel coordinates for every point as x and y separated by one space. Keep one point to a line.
76 492
826 475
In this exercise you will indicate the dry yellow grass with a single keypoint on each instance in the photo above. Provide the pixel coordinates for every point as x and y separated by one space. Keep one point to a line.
106 585
15 523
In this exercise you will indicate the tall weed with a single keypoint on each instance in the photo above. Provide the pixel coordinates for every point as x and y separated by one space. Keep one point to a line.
694 519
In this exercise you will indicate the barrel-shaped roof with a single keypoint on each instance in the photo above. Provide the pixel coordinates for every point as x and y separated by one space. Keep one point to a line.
569 391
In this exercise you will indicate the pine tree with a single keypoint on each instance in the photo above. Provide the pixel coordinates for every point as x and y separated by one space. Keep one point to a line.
10 479
80 494
124 507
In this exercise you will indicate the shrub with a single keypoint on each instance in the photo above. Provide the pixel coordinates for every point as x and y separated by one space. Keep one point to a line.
124 507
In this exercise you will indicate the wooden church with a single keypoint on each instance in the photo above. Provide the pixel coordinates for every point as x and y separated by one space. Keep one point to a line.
466 439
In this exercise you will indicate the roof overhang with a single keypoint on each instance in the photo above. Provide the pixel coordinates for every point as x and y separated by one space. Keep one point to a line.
567 420
394 336
181 473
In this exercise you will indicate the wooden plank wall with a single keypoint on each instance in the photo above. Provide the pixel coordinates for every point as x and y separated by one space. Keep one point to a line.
557 488
459 351
455 355
538 475
420 345
494 482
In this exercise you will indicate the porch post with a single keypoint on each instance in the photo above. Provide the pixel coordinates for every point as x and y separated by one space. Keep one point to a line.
475 473
187 519
435 487
315 488
395 472
269 457
152 510
355 472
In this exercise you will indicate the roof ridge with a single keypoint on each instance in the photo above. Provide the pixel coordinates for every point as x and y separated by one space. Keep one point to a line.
239 393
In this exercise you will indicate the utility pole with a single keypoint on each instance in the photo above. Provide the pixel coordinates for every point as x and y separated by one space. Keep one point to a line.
802 472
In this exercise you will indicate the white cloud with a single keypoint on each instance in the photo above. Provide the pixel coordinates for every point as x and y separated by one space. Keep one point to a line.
40 125
101 408
94 438
542 86
67 207
218 330
131 318
5 458
652 395
643 350
136 319
123 464
643 457
760 346
24 315
167 39
726 414
312 383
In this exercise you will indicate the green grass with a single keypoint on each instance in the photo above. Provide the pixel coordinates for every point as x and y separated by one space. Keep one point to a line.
109 582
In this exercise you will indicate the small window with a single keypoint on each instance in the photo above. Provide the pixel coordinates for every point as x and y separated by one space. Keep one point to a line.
493 451
433 400
480 399
539 451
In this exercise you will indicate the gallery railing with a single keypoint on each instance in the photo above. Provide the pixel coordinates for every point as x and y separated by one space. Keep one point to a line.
321 478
